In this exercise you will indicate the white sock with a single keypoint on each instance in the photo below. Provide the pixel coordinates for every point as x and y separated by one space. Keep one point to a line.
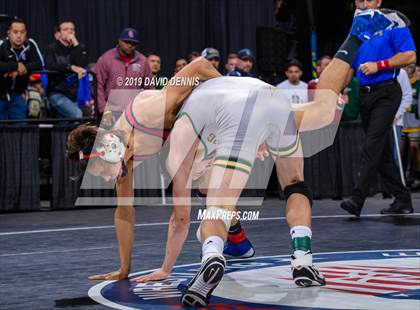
299 232
212 245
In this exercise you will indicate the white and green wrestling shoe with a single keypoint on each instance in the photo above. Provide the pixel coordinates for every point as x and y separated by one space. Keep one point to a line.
305 273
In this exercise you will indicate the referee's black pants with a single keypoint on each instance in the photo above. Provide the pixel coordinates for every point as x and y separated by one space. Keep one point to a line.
378 109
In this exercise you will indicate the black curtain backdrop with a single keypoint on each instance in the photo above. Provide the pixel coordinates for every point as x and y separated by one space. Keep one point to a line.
175 28
64 191
330 173
19 168
170 28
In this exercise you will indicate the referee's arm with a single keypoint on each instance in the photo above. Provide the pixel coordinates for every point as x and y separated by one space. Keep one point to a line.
397 61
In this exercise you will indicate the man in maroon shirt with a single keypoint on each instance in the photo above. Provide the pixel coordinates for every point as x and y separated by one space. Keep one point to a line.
123 70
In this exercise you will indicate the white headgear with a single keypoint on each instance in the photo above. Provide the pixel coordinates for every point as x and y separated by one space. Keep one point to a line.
111 149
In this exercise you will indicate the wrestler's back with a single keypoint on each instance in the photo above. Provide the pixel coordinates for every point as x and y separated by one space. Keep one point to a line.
245 108
228 95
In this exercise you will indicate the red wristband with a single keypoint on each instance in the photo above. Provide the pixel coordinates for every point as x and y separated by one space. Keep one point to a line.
382 65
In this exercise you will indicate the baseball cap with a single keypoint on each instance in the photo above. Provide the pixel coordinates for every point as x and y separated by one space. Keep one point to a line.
246 53
210 53
130 35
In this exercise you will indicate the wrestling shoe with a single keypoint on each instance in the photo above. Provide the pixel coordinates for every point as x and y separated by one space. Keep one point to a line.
242 249
206 280
304 273
367 23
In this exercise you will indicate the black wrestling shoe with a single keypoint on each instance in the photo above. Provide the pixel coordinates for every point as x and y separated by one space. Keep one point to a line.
304 273
351 207
398 207
206 280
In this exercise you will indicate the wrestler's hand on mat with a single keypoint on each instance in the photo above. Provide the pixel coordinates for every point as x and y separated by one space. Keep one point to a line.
369 68
115 275
156 275
262 152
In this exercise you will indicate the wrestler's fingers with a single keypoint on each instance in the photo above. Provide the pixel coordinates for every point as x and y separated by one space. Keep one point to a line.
141 279
149 277
146 278
99 276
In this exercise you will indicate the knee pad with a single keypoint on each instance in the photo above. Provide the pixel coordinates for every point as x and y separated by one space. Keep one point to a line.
216 213
298 188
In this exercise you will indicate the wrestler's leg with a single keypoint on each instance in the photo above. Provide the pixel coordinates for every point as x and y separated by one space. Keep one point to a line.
322 111
237 244
225 188
290 173
298 209
334 76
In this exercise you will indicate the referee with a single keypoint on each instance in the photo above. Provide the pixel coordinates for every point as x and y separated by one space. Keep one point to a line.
377 66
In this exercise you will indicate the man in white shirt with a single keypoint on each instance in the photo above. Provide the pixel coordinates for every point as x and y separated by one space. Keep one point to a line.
293 88
407 97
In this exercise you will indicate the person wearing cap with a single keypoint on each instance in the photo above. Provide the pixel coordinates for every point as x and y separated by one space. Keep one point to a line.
122 67
69 58
212 55
245 63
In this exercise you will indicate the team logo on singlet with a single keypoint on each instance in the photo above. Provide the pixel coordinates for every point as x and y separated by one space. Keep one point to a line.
355 280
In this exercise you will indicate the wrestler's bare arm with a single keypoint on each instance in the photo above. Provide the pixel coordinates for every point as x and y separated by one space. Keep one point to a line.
199 68
124 219
183 147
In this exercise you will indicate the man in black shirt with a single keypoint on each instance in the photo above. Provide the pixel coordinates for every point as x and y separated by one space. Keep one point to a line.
18 57
67 56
